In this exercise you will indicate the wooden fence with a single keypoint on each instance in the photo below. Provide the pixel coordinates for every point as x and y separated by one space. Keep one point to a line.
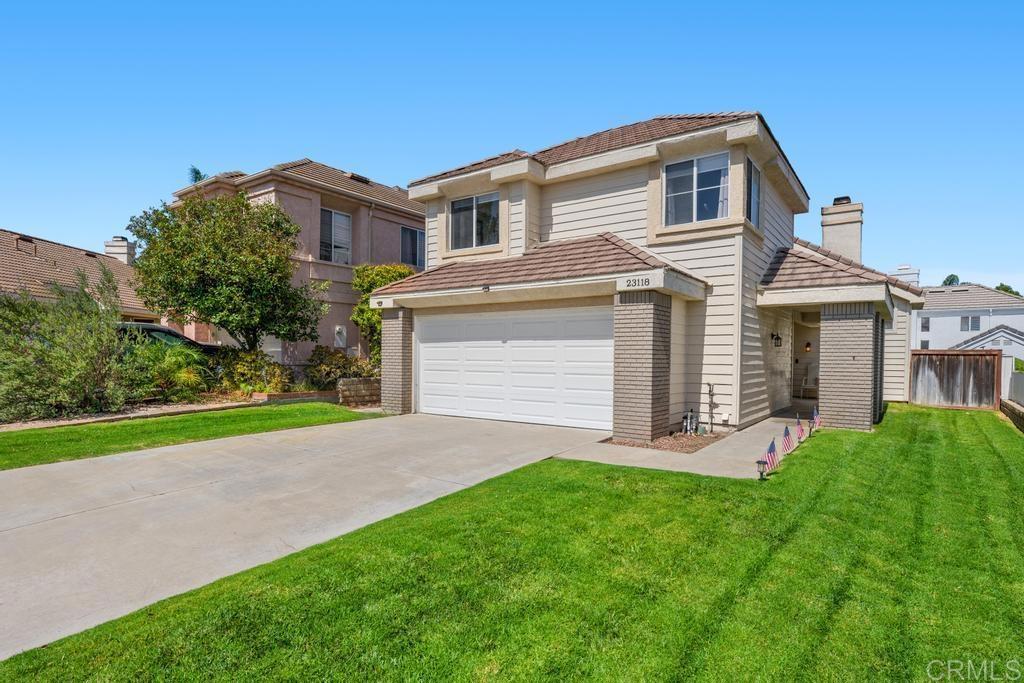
956 379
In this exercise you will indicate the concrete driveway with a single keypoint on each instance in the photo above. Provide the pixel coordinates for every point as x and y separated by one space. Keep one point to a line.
83 542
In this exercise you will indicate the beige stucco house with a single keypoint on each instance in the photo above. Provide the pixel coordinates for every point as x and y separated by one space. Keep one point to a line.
621 279
346 220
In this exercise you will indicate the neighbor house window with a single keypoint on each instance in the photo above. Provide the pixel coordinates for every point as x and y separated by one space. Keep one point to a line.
753 194
924 345
413 246
970 323
474 222
926 324
335 236
697 190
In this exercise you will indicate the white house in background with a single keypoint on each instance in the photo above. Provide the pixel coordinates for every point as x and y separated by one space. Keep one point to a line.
953 315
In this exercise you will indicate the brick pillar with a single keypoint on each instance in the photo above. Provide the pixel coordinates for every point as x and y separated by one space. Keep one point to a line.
848 366
880 365
642 333
396 361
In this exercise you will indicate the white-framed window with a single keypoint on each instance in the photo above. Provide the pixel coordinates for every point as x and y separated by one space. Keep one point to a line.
414 246
753 194
474 222
697 189
335 236
340 336
970 323
926 324
924 345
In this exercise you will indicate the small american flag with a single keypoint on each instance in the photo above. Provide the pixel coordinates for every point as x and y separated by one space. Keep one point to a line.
799 429
772 456
816 417
787 441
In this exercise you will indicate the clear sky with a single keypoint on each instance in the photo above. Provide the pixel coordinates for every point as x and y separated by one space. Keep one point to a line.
914 111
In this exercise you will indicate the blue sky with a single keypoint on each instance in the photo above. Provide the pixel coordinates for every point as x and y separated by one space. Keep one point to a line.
915 112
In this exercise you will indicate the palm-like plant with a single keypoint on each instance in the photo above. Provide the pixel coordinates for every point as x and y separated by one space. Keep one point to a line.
179 373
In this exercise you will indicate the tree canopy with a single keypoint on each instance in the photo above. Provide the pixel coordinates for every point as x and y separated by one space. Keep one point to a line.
1003 287
365 279
952 280
226 261
195 175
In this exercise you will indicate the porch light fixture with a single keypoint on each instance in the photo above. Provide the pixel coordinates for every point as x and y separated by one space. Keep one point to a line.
762 466
776 339
807 347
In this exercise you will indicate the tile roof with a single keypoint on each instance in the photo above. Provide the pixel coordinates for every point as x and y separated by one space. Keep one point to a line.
808 265
31 264
344 181
604 254
604 141
993 332
968 296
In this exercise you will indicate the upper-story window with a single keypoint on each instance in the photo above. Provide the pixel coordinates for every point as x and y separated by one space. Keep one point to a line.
970 323
753 194
414 247
697 189
926 324
335 236
474 222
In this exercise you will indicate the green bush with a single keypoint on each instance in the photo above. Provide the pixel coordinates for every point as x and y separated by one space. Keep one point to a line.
1018 365
365 279
177 372
65 356
249 371
327 366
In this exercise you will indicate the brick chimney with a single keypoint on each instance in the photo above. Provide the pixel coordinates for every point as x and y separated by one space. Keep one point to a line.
120 248
842 225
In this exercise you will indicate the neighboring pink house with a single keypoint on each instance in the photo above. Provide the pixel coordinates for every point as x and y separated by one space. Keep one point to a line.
346 219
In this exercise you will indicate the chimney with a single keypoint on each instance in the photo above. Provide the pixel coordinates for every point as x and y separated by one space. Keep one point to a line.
841 227
120 248
909 274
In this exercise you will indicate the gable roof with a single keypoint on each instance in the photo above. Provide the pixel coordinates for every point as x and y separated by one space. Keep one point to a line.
603 254
968 296
603 141
998 330
809 265
32 263
335 178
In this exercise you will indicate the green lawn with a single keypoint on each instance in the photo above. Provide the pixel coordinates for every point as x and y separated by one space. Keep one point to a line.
864 558
53 444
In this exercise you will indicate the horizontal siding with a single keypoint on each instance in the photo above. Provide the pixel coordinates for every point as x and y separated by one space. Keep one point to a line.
433 230
516 218
897 349
611 202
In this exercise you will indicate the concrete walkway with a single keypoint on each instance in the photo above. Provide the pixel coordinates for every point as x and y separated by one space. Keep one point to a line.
83 542
734 456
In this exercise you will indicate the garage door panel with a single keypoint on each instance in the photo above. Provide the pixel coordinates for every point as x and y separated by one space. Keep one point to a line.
549 367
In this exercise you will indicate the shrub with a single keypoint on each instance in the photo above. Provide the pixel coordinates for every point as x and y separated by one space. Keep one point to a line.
327 366
249 371
177 372
1018 365
365 279
66 356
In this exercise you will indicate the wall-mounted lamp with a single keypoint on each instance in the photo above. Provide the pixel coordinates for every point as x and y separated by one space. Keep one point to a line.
807 347
776 339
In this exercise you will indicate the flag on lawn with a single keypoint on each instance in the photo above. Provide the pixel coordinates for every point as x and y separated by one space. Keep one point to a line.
787 441
799 429
772 456
816 417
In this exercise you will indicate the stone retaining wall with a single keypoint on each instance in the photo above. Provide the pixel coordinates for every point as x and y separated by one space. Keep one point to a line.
359 391
1014 411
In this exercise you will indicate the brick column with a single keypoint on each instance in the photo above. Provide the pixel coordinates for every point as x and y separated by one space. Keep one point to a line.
848 366
396 361
642 335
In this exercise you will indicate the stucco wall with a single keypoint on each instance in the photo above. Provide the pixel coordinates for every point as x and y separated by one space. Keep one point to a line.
945 330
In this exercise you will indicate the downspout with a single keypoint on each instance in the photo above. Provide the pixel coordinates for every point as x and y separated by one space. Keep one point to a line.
369 235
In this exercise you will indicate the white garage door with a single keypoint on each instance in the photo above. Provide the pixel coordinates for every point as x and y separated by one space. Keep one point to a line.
547 366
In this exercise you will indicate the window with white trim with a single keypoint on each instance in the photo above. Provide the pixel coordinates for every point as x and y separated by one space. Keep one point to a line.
926 324
335 236
414 246
474 222
970 323
924 345
753 194
697 189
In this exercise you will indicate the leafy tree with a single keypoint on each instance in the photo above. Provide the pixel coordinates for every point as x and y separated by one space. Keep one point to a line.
195 175
1003 287
365 280
226 261
952 280
66 356
1018 365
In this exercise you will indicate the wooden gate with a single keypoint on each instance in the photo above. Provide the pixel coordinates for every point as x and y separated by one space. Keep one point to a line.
956 379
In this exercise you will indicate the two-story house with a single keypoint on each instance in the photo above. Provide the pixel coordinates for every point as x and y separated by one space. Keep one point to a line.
621 279
346 220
